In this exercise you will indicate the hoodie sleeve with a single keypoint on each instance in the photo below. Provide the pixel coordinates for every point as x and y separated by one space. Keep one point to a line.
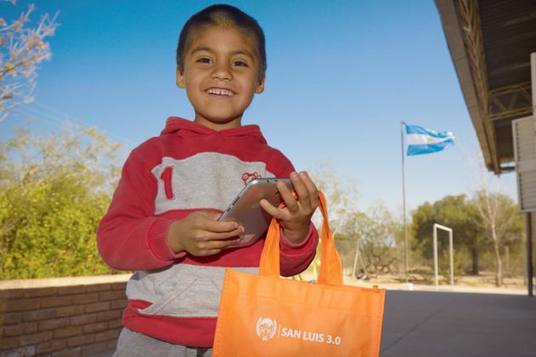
295 258
130 236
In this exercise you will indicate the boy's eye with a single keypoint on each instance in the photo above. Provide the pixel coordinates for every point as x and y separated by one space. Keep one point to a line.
203 60
240 63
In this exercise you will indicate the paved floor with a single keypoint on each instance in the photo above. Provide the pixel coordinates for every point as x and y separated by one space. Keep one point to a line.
441 324
447 324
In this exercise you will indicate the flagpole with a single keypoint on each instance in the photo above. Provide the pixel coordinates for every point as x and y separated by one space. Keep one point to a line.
406 265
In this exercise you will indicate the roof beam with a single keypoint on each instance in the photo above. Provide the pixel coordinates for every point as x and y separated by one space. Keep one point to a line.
510 102
472 37
454 35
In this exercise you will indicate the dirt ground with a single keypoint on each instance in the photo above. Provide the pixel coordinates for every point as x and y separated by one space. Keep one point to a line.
483 283
484 280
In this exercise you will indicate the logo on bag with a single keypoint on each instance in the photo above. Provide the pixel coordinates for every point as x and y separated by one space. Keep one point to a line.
266 328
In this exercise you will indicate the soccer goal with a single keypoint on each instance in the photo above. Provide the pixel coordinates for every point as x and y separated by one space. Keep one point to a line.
451 254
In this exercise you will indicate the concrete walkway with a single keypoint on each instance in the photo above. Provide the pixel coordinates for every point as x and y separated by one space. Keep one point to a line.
446 324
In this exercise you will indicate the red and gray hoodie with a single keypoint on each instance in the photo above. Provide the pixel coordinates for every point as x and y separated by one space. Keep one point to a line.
175 296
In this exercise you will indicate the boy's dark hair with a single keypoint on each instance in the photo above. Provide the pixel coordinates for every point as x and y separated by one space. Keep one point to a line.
226 15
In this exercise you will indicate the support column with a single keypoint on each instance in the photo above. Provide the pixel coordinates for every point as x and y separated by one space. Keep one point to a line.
530 251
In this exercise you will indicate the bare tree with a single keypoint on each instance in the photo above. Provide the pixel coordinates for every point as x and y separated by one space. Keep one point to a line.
341 193
374 234
22 48
502 220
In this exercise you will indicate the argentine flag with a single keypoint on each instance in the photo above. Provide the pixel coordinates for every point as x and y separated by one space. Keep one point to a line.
424 141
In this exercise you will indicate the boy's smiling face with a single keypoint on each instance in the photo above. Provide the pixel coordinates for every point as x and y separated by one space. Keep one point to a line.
220 75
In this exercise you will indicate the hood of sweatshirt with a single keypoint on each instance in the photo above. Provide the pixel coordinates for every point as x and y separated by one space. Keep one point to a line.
187 128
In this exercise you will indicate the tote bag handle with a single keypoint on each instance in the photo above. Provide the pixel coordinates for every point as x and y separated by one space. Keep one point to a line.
330 262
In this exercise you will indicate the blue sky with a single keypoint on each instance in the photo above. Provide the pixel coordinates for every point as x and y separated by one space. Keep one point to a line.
341 76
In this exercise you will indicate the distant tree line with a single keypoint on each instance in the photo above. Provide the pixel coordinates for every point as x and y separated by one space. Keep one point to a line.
488 223
55 188
53 192
488 232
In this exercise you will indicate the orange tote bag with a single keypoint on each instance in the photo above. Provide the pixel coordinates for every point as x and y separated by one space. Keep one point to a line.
265 315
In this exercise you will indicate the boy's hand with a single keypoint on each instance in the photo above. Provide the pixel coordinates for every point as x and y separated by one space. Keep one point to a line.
200 234
295 217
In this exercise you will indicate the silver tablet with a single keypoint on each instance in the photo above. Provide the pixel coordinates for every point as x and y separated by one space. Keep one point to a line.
246 211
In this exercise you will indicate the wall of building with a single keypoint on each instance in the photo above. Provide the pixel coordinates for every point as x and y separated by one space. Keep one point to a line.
533 238
61 317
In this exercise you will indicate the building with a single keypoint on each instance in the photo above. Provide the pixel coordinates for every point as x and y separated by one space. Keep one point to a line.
490 42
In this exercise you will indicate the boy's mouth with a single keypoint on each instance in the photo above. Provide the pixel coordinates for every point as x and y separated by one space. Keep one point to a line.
220 91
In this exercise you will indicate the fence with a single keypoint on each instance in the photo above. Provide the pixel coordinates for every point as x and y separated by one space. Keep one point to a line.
62 316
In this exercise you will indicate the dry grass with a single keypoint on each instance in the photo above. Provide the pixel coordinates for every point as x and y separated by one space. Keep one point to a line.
484 282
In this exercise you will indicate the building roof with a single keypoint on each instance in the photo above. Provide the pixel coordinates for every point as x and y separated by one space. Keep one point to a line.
490 42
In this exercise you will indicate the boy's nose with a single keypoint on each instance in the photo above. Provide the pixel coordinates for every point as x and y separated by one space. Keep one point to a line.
222 72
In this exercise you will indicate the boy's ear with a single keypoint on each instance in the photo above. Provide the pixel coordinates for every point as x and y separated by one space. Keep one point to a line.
180 78
260 86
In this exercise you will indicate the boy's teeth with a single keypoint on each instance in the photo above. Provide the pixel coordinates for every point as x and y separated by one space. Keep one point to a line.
220 91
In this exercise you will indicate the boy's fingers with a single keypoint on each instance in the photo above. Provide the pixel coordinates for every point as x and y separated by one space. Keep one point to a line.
311 187
203 252
207 221
287 196
215 244
301 189
218 242
212 246
272 211
222 237
221 227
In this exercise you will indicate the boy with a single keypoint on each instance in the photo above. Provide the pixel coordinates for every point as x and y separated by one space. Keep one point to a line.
162 221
